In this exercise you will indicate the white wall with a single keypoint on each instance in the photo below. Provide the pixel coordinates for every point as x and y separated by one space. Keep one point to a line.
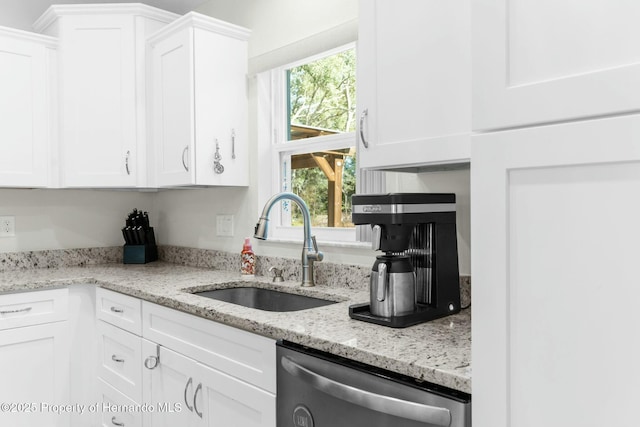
61 219
278 23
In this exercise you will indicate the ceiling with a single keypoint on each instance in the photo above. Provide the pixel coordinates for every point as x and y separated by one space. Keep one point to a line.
22 14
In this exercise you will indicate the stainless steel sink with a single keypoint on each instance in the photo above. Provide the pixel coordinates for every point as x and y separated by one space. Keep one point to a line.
265 299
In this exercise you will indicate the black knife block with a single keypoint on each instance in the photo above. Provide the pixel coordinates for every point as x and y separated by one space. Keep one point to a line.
141 254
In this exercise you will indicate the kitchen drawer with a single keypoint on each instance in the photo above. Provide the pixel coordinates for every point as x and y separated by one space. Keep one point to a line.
33 308
120 356
120 310
112 408
241 354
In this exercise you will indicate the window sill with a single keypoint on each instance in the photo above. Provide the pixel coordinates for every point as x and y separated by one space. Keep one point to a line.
350 245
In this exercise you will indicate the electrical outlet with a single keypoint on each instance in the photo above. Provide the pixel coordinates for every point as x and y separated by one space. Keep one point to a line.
224 225
7 226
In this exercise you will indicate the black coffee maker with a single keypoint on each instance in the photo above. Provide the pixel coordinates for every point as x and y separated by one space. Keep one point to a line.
416 279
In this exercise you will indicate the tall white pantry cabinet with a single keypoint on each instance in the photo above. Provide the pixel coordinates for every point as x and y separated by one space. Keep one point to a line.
555 195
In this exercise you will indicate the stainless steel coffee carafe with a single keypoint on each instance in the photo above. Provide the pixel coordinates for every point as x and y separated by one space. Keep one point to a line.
392 287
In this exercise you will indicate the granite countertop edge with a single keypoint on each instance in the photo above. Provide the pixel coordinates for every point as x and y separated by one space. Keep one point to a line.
438 352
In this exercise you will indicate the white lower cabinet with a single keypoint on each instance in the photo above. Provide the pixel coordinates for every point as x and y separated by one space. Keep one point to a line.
183 371
34 369
218 375
170 388
187 393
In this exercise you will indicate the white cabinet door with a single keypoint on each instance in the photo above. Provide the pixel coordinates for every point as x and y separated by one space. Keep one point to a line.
414 71
554 261
25 108
173 109
35 375
187 393
230 402
172 389
199 72
547 61
98 73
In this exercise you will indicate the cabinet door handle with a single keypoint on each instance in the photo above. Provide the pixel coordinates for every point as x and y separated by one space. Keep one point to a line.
184 163
363 116
126 162
115 422
117 310
152 362
218 168
195 395
116 359
186 387
233 143
19 310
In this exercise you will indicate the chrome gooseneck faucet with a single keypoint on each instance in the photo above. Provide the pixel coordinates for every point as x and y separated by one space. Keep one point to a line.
310 252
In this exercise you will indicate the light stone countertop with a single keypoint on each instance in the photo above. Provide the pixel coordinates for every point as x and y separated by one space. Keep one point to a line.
438 351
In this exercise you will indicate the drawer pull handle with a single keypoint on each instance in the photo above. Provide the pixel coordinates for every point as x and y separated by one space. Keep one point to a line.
195 396
117 359
20 310
186 402
115 422
117 310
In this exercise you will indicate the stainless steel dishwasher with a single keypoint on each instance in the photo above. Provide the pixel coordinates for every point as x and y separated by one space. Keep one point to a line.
316 389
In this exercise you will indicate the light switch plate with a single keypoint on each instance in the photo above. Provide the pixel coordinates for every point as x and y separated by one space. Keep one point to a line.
224 225
7 226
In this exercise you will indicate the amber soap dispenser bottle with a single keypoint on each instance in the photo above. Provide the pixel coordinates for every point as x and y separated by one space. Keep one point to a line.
247 259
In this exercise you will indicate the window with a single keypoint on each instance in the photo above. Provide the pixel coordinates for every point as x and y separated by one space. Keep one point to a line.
320 101
308 109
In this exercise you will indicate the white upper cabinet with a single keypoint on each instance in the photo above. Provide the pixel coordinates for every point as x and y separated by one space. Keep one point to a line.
27 76
548 61
102 91
414 88
199 103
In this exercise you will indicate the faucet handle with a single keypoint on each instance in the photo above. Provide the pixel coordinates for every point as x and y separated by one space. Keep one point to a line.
277 274
316 255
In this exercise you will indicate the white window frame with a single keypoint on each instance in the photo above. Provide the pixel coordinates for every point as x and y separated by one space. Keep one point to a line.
272 131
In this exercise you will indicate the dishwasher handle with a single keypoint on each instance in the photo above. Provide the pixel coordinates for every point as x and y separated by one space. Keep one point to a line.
377 402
